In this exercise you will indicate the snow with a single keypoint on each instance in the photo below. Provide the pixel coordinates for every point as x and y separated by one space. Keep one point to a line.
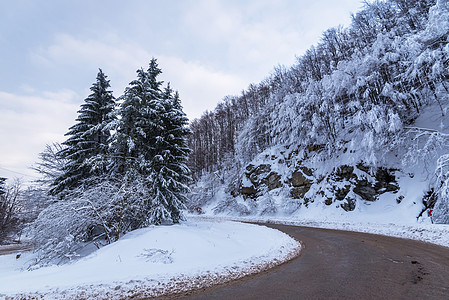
384 216
153 261
426 232
394 214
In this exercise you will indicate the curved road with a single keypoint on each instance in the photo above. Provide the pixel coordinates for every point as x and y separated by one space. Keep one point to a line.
345 265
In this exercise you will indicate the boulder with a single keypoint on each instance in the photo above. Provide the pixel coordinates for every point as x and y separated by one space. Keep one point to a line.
306 171
340 193
299 192
273 181
257 174
248 190
386 181
344 172
298 179
256 177
365 190
349 205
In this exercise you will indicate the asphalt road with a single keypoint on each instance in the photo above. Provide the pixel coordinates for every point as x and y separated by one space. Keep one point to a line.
14 248
346 265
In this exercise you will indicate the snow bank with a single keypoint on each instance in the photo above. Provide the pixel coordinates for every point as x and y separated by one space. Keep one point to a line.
430 233
154 261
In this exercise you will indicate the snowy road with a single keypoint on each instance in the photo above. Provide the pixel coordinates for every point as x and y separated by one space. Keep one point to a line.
347 265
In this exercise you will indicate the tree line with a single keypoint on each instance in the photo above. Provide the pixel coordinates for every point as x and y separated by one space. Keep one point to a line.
364 81
354 93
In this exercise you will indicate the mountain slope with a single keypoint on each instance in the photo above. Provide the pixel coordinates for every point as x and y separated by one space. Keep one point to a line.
342 128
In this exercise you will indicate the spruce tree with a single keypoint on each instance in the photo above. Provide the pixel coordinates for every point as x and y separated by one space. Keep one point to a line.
86 149
135 136
170 172
150 145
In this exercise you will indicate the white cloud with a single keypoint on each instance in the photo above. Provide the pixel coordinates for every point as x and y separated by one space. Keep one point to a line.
30 122
255 36
200 87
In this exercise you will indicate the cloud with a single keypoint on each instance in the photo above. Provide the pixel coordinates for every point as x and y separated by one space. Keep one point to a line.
207 49
224 45
243 37
200 87
34 118
254 36
30 122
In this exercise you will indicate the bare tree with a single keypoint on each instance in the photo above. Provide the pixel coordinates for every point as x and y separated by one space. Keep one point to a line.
51 164
9 207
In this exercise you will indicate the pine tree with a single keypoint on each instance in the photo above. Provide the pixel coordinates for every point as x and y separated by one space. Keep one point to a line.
150 145
86 150
170 172
135 137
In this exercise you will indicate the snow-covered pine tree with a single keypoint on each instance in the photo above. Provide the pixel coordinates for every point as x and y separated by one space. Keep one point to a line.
133 142
86 150
170 173
150 147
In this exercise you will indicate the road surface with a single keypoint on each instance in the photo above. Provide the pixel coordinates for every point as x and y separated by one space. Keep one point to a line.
345 265
14 248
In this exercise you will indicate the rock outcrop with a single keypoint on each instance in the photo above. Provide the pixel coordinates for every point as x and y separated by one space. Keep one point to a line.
257 179
345 185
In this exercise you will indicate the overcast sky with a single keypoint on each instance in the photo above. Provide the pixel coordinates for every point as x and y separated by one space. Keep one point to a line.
51 51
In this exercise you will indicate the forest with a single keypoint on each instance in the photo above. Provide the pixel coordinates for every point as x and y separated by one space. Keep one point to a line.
353 98
366 81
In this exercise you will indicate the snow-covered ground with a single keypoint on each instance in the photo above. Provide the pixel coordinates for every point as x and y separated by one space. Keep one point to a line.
425 231
384 216
170 259
153 261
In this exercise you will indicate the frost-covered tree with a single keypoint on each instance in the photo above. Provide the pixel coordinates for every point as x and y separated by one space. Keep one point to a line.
50 165
441 209
9 207
91 216
352 98
140 122
2 186
170 174
138 178
150 145
354 91
86 150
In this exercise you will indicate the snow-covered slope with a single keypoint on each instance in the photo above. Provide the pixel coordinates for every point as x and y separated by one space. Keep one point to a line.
352 131
154 261
281 183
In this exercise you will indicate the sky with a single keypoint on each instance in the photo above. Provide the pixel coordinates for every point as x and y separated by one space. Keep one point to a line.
50 53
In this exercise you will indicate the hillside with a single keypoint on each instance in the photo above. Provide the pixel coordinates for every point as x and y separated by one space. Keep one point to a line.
357 128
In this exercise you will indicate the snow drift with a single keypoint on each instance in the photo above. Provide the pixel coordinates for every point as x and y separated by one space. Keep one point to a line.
153 261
